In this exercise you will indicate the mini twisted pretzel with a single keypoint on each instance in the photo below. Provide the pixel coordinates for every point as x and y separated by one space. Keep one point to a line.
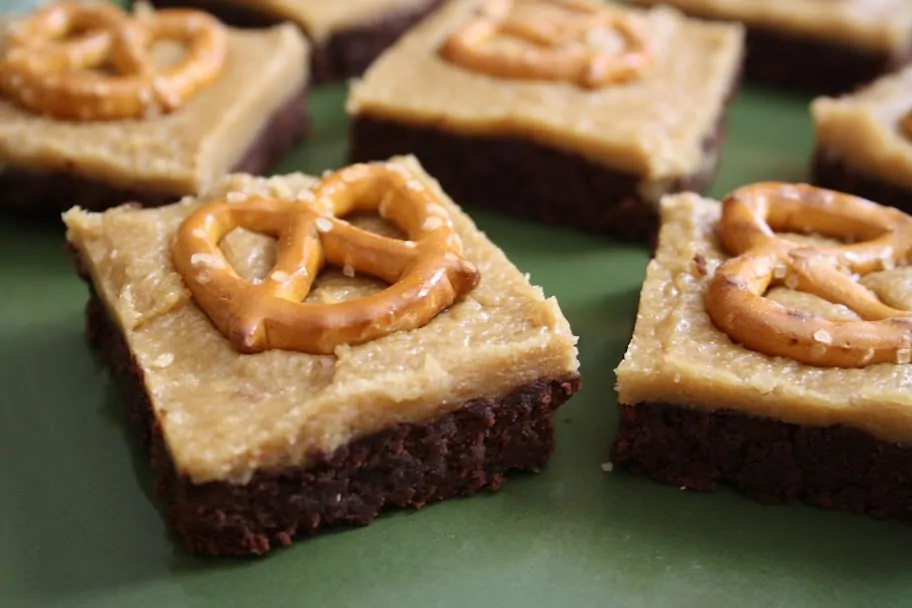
91 61
426 274
553 49
734 299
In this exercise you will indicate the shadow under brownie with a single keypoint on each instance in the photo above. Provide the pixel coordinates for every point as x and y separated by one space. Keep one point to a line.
533 159
282 444
345 53
698 409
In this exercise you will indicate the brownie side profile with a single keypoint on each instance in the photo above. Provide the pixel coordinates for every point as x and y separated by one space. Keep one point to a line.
772 462
32 193
345 54
527 179
408 466
831 173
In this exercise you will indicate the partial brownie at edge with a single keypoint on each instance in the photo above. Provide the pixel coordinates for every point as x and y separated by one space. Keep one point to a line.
48 193
530 180
345 54
408 466
836 175
770 461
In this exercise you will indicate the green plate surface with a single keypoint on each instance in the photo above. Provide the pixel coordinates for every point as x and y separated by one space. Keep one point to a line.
78 526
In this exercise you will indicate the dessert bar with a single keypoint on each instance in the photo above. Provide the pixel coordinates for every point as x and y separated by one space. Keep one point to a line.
864 141
816 46
562 111
204 99
346 35
777 363
279 398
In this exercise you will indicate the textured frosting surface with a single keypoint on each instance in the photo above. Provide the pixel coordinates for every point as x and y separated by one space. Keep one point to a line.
862 129
658 137
320 18
877 25
225 414
179 153
678 356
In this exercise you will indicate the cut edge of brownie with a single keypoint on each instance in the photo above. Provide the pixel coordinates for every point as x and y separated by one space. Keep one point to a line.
468 450
834 174
31 193
770 461
345 53
495 173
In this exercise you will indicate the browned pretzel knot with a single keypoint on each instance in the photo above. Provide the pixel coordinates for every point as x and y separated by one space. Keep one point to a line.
735 302
560 49
426 274
91 61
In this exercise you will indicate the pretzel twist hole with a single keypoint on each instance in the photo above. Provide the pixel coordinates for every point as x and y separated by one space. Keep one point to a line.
426 274
734 298
92 61
558 49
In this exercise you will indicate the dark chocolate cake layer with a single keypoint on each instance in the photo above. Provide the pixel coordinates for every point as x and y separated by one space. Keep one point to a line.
836 175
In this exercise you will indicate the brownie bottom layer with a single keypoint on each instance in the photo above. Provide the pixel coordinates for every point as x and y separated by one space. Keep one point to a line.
836 175
346 53
772 462
407 466
33 193
529 180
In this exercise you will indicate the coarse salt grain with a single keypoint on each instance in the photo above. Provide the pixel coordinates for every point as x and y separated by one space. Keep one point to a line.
324 225
822 336
903 355
791 281
235 197
432 223
348 271
279 276
163 360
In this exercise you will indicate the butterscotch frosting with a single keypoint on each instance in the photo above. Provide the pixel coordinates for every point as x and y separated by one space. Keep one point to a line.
862 130
321 18
678 356
225 414
640 127
179 153
876 25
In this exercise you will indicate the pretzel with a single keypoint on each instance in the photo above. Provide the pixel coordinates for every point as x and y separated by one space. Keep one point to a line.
905 124
551 49
56 61
882 238
426 274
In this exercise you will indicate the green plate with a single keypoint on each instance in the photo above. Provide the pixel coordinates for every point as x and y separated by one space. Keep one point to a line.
79 528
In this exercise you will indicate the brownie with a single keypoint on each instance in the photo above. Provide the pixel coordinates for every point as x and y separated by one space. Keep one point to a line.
346 53
823 50
531 159
30 193
835 174
701 403
256 443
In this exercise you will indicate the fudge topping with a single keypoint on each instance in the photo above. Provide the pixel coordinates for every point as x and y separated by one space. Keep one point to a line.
863 130
734 298
321 18
659 138
877 25
679 356
572 41
92 61
175 153
427 272
224 413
